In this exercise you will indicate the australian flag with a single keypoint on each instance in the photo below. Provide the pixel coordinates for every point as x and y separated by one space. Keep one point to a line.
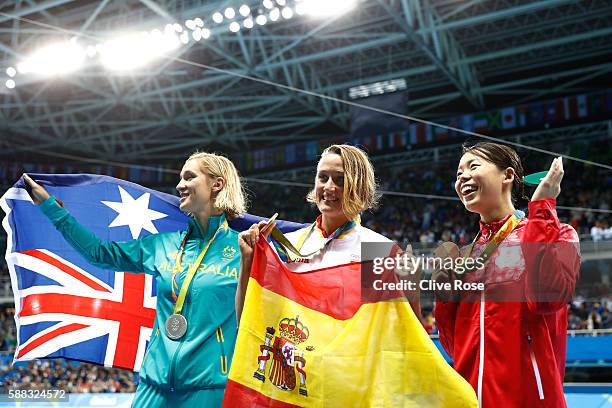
66 307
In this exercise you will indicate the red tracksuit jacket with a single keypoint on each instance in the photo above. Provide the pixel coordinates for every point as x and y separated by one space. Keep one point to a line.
509 341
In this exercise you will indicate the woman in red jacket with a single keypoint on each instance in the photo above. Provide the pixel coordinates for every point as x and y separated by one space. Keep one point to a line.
509 340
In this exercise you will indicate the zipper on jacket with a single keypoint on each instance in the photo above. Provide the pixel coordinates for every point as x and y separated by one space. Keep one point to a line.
481 347
536 370
223 358
173 364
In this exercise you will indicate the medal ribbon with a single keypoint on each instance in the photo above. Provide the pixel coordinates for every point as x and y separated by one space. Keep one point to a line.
284 247
498 238
180 300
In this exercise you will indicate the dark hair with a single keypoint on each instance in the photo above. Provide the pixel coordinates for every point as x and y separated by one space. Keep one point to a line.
503 157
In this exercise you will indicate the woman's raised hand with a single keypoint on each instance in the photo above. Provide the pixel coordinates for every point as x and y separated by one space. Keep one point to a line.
248 238
550 186
38 192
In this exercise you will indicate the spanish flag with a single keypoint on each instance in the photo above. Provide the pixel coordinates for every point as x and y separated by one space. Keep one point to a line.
310 340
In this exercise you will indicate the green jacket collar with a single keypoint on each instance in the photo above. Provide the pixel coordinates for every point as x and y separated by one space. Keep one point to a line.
214 221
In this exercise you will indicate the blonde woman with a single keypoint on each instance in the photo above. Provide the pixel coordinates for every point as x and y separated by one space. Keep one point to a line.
345 186
190 351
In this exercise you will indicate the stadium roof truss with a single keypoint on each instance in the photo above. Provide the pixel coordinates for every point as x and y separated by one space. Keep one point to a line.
455 56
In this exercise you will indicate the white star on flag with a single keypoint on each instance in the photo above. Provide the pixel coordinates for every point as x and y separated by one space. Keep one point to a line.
134 213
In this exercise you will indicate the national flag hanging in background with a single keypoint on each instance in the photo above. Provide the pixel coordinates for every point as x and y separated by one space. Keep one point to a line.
428 133
250 161
413 134
575 107
554 110
597 103
290 153
495 119
609 100
421 133
582 106
300 152
312 150
536 114
366 142
441 133
568 111
508 118
66 307
550 112
481 123
397 139
467 122
310 340
380 142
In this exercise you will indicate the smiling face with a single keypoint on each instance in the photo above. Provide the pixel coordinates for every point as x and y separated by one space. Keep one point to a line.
195 188
329 185
481 185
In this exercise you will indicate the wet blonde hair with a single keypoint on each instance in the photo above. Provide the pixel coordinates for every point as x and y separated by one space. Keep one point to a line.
360 187
231 199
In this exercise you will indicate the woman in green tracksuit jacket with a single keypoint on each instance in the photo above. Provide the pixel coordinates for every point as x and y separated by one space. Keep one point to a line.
191 347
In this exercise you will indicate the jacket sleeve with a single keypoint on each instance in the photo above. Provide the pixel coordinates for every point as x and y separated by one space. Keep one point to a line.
552 258
129 256
445 313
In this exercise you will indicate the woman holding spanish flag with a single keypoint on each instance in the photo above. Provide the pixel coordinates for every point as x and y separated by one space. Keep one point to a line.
312 331
190 350
509 339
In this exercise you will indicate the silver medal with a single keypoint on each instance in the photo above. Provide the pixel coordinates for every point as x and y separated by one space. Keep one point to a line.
176 326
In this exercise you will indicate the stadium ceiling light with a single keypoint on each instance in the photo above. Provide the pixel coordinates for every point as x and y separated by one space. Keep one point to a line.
377 88
261 19
217 17
10 84
91 51
274 14
190 24
136 50
287 13
234 27
244 10
54 59
326 8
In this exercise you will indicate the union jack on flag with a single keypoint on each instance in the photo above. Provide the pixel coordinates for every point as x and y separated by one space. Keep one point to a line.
66 307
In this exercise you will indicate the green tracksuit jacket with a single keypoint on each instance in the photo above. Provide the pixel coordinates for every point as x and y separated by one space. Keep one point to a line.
186 371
